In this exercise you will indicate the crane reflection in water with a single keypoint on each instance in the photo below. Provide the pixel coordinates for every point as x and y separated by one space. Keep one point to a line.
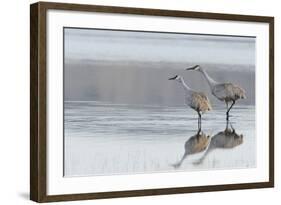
202 143
227 139
195 144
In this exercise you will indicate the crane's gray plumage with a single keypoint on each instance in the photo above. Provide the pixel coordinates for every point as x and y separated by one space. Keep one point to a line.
227 92
196 100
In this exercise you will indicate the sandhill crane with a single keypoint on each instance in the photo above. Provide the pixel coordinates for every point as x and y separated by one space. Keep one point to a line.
196 100
195 144
227 92
227 139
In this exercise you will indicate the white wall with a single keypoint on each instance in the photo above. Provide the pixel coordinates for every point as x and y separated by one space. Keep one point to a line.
14 103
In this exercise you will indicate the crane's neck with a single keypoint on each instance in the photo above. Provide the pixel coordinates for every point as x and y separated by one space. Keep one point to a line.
184 85
210 80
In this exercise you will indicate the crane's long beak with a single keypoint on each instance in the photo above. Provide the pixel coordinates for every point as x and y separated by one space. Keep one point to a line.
173 78
192 68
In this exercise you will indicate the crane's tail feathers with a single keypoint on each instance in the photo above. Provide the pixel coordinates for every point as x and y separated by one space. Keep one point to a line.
242 94
210 107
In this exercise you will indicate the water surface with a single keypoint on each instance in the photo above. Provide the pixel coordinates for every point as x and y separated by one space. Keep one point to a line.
107 139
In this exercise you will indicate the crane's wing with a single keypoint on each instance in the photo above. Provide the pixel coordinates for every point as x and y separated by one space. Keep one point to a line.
220 91
239 93
202 95
200 102
228 91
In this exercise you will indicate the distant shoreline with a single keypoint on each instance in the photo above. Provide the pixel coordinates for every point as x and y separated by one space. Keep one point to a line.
218 105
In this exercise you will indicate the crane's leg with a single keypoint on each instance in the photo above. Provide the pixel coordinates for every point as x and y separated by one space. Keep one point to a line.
227 113
199 122
227 124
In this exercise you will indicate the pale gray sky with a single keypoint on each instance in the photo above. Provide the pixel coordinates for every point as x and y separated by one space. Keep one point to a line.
108 45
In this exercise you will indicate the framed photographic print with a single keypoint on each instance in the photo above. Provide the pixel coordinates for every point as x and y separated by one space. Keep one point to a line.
134 102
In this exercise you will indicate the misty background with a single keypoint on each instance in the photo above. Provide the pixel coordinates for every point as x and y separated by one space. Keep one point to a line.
127 67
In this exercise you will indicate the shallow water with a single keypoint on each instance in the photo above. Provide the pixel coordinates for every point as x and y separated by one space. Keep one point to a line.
106 139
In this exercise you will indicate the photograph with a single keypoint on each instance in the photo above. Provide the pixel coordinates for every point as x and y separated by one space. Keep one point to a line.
129 101
142 102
